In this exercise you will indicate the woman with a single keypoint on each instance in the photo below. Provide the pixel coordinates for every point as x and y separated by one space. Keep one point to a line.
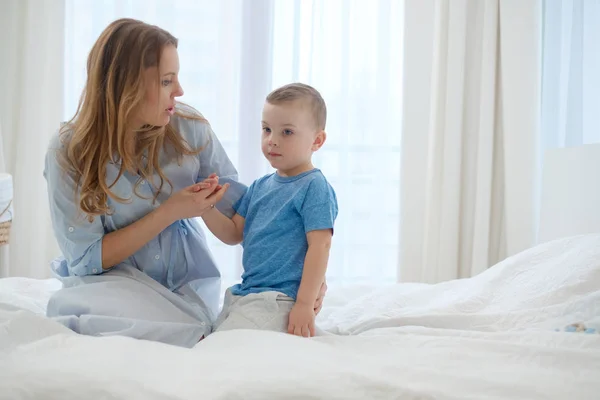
125 176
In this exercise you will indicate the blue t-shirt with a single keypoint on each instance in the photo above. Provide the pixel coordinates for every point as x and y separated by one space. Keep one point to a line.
279 212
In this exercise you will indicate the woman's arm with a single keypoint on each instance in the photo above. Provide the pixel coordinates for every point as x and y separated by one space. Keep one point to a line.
87 249
190 202
123 243
119 245
79 239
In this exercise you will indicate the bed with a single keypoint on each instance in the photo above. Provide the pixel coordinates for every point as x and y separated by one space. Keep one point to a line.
507 333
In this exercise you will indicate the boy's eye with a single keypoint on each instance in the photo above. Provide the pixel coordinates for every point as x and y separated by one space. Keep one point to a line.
288 132
166 82
266 130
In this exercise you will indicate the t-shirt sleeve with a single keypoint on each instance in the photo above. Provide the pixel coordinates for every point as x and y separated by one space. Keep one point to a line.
319 208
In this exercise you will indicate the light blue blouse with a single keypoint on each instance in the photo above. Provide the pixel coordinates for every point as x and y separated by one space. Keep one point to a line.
177 256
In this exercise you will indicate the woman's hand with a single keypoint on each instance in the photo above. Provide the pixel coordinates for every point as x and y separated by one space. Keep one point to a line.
194 200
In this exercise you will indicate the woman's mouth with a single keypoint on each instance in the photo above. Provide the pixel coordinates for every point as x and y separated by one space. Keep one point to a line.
171 110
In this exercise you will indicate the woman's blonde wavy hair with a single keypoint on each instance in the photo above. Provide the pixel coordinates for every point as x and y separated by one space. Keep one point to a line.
100 131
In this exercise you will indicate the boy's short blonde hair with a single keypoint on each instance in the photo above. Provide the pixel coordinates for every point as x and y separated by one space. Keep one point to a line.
301 91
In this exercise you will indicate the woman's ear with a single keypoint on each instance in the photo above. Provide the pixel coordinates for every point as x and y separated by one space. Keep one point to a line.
319 140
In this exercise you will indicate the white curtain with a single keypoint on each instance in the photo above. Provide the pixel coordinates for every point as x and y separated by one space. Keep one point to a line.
470 136
233 52
436 187
352 52
571 73
31 78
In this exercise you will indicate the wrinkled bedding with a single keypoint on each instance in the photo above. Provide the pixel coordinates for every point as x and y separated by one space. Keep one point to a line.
498 335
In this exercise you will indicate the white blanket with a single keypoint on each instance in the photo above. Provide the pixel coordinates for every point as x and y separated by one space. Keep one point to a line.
489 337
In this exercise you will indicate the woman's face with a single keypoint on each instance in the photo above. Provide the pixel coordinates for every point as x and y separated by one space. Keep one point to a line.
162 87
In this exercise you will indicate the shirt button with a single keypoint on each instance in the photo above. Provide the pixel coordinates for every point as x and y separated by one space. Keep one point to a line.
203 323
94 270
157 256
71 229
143 182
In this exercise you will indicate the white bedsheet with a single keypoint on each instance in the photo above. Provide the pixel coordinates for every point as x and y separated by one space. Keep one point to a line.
488 337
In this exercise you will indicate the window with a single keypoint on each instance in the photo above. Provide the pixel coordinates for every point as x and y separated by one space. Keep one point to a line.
571 73
351 51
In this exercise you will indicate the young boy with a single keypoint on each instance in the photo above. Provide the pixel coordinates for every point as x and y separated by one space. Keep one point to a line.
284 221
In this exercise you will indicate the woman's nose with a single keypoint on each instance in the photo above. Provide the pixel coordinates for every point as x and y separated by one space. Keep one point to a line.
178 92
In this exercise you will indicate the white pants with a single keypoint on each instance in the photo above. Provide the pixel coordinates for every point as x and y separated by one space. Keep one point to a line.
263 311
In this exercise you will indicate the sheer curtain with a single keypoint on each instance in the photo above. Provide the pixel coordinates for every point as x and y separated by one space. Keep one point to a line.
352 52
31 45
470 135
233 52
571 73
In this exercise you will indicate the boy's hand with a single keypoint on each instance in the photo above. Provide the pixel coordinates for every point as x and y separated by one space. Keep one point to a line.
302 320
211 180
319 301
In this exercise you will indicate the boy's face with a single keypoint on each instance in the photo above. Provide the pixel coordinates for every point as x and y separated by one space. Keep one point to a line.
290 136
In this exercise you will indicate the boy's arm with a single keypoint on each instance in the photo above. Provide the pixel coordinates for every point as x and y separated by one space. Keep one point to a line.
315 266
229 231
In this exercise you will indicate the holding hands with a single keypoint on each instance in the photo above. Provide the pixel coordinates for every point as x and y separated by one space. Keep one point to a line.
195 200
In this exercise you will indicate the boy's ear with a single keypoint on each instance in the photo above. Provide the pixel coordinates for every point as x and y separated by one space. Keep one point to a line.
319 140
